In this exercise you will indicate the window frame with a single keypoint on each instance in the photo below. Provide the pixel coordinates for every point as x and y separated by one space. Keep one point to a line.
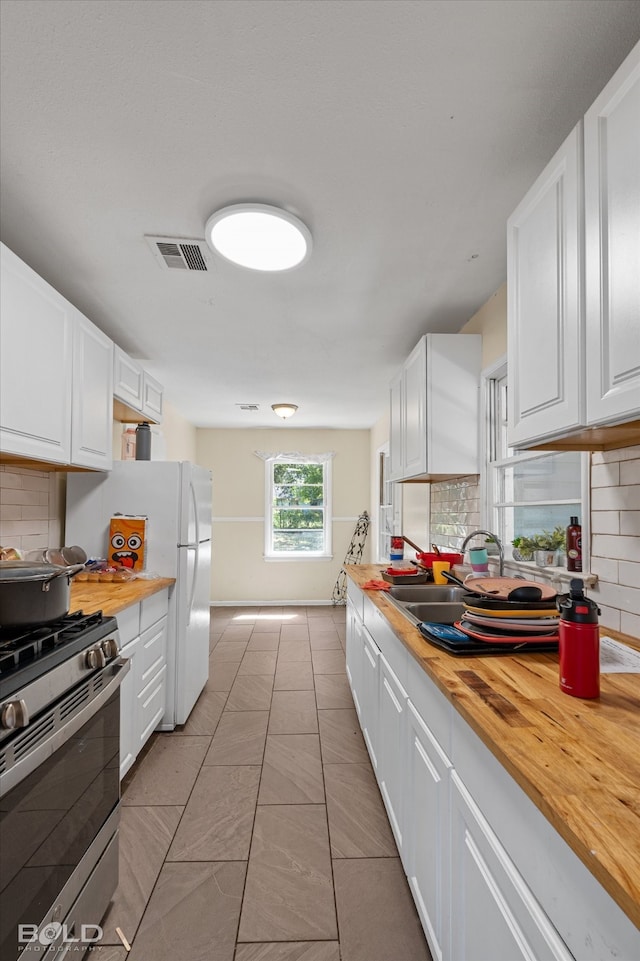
325 460
489 484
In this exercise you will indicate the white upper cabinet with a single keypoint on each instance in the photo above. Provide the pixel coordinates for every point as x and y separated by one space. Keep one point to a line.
137 395
56 390
612 252
545 340
36 335
434 409
92 413
574 284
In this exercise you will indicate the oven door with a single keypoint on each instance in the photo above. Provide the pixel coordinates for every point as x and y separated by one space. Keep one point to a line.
59 784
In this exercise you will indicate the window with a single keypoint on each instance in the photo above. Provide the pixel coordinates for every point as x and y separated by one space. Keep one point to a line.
298 514
389 519
529 492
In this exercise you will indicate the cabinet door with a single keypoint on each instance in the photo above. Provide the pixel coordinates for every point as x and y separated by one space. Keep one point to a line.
494 913
92 408
395 429
427 831
391 755
152 398
129 710
545 323
369 703
414 411
127 379
354 654
35 365
612 254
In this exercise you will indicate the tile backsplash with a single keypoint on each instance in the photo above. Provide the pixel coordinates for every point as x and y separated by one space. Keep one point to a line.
455 510
31 508
615 537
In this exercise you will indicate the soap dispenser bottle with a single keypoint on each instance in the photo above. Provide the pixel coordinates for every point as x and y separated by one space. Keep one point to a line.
579 643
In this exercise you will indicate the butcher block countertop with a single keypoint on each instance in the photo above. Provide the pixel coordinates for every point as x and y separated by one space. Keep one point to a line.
578 760
111 598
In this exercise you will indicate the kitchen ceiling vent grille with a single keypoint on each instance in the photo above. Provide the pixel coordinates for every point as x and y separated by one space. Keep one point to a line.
248 406
180 253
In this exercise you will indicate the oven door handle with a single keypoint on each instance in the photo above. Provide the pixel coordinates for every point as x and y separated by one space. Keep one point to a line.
28 764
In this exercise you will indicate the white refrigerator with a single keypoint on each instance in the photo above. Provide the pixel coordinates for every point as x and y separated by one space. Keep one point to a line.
176 498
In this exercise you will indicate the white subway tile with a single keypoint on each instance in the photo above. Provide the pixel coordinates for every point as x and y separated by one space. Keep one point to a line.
629 574
609 617
605 569
618 548
630 472
605 475
630 624
10 479
10 512
605 522
39 513
35 482
35 542
616 498
618 596
620 454
630 523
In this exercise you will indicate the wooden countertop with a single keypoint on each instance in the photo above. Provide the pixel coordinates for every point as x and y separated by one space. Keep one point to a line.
115 597
578 760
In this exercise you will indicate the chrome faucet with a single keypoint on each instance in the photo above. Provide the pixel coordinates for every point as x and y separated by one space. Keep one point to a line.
487 534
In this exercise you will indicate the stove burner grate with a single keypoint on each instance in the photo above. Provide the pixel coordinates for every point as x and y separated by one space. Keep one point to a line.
19 646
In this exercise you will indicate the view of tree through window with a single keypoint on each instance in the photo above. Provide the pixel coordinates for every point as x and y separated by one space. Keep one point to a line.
298 507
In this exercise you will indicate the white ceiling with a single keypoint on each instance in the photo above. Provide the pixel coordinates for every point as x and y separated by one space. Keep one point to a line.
403 133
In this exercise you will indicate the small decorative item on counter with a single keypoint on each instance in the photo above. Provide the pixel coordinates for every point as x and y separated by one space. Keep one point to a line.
127 540
479 559
574 545
579 643
396 552
128 451
143 441
10 554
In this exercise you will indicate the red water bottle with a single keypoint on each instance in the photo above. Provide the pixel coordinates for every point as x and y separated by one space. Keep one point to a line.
579 643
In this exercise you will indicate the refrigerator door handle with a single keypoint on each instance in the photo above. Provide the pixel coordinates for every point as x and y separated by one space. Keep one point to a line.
192 593
194 505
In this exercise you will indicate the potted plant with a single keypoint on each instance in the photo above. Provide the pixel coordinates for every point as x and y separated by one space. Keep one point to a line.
544 548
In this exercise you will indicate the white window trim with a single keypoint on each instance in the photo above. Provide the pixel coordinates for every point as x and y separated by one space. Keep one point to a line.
529 568
326 460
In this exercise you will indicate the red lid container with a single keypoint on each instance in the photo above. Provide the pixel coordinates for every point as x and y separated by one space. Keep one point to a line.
426 559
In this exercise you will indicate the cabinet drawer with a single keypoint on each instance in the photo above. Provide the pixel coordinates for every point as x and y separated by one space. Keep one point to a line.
356 597
128 624
392 648
153 649
153 608
151 705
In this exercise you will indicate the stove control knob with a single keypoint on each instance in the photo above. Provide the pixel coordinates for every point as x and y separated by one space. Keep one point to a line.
14 714
110 648
94 657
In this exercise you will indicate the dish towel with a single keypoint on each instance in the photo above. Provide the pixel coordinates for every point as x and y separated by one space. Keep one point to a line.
374 585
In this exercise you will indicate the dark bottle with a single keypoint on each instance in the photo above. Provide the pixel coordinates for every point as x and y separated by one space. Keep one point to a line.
579 643
574 546
143 442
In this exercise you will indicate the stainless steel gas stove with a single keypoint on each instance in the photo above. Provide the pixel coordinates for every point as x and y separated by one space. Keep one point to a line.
59 784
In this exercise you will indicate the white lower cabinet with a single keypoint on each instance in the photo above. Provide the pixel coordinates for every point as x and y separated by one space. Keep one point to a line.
427 831
494 914
143 691
491 878
392 738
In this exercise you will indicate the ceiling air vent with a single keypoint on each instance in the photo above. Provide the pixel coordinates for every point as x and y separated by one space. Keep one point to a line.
248 406
180 253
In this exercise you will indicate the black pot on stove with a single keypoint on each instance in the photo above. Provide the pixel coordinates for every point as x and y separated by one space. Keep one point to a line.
33 594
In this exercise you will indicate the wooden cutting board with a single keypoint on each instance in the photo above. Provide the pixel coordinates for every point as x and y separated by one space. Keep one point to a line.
501 587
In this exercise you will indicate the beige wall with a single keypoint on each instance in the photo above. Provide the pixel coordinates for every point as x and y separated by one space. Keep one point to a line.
491 322
239 571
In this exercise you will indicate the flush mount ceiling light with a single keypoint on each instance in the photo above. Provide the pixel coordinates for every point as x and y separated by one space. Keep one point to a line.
284 410
258 236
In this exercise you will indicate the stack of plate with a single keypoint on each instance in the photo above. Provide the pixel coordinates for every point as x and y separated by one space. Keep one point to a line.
504 620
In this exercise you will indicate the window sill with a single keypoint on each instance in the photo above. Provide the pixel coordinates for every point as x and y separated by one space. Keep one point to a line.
556 576
278 558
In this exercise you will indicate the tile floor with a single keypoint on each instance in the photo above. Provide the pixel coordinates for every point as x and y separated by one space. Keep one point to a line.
257 832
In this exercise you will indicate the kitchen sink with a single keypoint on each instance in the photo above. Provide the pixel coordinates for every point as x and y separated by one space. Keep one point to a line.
428 602
428 593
